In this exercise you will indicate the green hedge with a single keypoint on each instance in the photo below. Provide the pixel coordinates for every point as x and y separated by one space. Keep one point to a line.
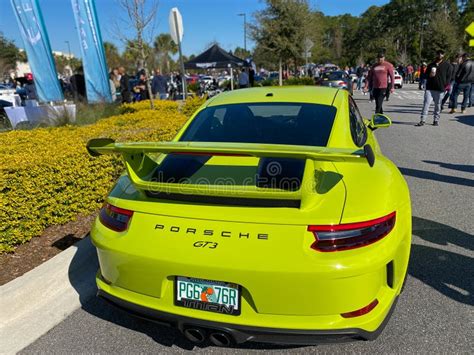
48 178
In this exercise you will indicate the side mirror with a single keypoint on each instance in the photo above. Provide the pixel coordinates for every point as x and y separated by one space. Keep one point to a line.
379 121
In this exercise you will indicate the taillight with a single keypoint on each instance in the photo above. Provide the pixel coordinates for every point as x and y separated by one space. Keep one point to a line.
115 218
362 311
352 235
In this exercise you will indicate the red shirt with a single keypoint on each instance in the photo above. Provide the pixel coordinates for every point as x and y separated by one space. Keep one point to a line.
378 76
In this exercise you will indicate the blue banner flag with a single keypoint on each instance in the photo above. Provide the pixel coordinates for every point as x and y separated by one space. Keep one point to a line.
38 49
92 50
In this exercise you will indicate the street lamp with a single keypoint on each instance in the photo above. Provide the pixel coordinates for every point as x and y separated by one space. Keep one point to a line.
245 29
69 48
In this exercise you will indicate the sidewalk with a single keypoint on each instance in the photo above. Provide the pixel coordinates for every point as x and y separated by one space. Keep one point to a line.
35 302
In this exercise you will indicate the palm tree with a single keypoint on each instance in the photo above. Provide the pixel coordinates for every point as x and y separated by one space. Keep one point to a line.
112 55
164 47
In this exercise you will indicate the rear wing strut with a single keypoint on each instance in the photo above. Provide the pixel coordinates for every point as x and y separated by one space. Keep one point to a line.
140 167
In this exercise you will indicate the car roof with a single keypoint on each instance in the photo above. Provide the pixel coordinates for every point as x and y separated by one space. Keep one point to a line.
301 94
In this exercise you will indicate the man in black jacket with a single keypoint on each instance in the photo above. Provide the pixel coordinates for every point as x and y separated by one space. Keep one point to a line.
125 86
464 79
437 74
450 89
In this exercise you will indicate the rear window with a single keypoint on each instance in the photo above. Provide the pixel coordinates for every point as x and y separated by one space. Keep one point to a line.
270 123
334 75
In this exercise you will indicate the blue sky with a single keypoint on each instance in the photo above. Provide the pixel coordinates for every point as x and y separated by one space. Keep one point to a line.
204 20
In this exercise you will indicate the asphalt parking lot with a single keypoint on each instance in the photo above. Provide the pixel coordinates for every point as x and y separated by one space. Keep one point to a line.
435 314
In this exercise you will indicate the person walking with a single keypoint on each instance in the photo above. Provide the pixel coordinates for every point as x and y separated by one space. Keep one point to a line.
252 71
471 97
410 71
159 86
422 77
450 87
438 75
360 75
464 79
401 71
378 81
243 79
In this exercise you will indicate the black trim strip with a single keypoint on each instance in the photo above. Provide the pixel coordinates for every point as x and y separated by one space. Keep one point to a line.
222 200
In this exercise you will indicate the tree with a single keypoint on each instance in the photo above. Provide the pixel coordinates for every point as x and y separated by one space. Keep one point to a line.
442 35
242 53
466 18
164 47
62 61
9 55
141 15
131 61
280 30
112 55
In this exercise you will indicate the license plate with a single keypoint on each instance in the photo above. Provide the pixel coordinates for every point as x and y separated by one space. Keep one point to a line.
207 295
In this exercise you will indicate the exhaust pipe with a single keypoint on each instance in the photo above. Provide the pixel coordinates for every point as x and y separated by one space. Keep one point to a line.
195 335
220 339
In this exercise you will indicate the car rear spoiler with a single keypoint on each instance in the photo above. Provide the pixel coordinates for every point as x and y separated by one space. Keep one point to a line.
140 167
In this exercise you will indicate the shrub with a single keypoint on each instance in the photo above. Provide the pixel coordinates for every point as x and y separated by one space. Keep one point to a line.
225 85
160 105
194 87
299 81
290 81
48 178
269 82
191 105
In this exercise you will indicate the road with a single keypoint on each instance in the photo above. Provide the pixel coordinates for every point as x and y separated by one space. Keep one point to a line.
434 314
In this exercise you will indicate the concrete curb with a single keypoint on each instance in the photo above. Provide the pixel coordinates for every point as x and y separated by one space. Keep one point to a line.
37 301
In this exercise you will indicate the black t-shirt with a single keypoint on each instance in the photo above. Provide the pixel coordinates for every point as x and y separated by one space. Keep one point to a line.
443 74
124 83
78 84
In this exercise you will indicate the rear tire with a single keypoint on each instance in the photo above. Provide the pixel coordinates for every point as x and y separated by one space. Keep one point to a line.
403 284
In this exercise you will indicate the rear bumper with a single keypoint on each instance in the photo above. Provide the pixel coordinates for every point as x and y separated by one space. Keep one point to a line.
241 334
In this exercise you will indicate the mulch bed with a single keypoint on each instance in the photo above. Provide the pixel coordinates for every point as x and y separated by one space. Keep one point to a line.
40 249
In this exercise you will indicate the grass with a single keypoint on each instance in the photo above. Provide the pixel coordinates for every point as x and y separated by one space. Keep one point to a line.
91 113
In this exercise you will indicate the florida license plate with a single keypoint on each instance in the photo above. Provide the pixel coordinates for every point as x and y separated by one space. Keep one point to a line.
207 295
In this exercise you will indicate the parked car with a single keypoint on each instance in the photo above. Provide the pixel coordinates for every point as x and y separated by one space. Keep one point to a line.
192 79
338 79
258 78
206 79
398 80
274 75
222 79
6 89
308 238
